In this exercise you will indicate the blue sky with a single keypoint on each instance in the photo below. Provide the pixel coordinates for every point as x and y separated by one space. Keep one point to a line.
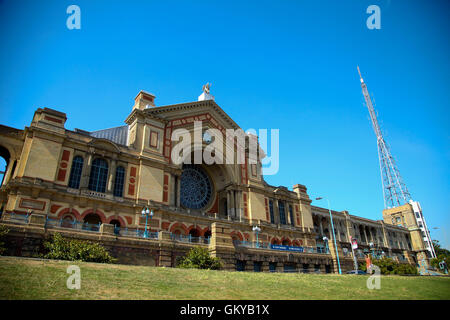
289 65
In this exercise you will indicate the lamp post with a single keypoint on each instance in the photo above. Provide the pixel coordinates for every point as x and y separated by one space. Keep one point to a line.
334 235
325 239
256 229
145 213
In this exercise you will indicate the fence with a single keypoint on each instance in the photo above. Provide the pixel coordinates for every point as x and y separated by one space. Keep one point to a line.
18 218
189 238
263 245
137 233
76 225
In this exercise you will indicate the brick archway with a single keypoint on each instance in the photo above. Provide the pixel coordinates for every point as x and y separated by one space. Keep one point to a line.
122 222
297 243
199 230
72 211
178 226
97 212
237 234
285 241
275 240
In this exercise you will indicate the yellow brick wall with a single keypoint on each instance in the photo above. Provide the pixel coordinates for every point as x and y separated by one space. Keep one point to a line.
150 185
256 207
42 160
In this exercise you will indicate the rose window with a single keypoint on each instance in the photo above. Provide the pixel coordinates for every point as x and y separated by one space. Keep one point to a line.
195 187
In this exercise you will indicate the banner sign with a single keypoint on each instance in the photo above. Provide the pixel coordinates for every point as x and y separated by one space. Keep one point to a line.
286 248
354 244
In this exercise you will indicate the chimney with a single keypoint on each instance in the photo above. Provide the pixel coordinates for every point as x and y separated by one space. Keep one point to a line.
144 100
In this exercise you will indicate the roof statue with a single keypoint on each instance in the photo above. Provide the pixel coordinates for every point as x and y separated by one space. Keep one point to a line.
206 87
205 94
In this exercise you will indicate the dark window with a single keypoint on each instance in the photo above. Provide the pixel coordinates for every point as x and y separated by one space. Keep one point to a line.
282 212
99 175
289 268
240 265
291 215
305 268
272 216
317 268
272 266
118 183
257 266
75 172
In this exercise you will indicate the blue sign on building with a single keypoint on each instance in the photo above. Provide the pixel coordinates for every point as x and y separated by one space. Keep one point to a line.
286 248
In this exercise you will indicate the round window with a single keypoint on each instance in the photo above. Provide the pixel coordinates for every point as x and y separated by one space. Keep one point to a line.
195 187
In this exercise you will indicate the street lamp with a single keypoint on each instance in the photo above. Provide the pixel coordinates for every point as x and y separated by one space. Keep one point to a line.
256 229
334 235
325 239
145 213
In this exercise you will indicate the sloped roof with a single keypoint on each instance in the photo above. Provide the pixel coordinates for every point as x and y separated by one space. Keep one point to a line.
117 135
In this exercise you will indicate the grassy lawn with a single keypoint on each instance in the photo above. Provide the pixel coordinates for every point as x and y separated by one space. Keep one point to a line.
22 278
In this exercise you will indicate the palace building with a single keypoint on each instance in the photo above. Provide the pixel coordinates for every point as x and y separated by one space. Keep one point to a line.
121 187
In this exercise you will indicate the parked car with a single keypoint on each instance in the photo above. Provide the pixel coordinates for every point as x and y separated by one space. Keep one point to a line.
356 272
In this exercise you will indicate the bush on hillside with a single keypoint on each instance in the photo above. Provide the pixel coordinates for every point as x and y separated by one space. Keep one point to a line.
76 250
389 266
199 258
3 232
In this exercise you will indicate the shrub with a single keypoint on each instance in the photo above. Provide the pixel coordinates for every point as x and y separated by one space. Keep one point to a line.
389 266
199 258
76 250
3 232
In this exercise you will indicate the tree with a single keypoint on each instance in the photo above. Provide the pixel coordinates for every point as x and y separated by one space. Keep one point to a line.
76 250
3 232
199 258
442 254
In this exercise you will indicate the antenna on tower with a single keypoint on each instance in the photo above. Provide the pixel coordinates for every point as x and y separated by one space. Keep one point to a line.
395 192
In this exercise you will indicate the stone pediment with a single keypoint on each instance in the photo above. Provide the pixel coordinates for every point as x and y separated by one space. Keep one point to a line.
179 112
104 144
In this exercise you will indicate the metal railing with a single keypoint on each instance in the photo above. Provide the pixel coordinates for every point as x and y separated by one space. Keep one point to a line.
264 245
76 225
18 218
189 238
137 233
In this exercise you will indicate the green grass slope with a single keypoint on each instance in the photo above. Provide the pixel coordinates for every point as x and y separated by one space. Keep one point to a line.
22 278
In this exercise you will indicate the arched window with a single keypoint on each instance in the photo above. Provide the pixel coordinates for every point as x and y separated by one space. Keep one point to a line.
92 222
116 224
99 175
68 221
291 215
282 212
272 216
195 234
118 183
4 162
75 172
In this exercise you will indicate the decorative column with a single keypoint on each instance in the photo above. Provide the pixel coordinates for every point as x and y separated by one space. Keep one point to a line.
321 227
233 204
86 169
111 176
178 190
229 204
237 200
173 190
8 173
365 234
